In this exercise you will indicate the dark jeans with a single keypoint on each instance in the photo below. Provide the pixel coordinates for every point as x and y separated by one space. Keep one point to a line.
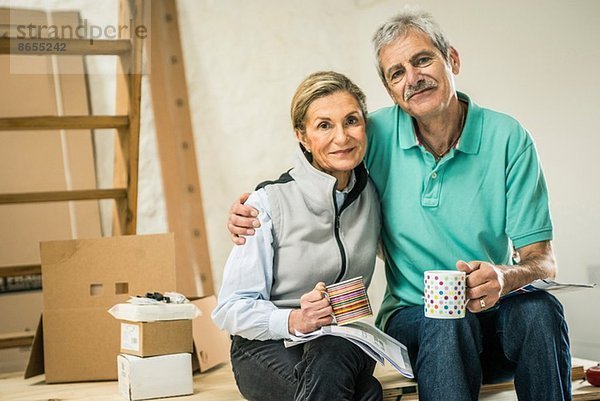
327 368
524 337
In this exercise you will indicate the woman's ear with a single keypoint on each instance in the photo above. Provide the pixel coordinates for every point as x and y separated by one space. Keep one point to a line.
302 139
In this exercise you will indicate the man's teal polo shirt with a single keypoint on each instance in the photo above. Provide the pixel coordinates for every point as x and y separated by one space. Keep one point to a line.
485 195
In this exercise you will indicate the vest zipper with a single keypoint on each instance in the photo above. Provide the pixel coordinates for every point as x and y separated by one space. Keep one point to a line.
339 240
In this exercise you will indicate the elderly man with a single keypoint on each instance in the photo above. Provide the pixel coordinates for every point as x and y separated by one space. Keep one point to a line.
460 186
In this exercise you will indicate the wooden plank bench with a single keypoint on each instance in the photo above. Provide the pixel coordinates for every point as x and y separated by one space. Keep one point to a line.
218 384
397 387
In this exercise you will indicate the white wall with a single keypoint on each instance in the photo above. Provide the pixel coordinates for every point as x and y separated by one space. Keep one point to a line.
537 60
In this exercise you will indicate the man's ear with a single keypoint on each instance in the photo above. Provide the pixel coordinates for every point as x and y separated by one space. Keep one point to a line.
454 60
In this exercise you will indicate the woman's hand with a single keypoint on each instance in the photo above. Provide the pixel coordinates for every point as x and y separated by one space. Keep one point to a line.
242 220
314 312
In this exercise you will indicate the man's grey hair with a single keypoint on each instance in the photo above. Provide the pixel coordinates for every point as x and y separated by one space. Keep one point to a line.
401 24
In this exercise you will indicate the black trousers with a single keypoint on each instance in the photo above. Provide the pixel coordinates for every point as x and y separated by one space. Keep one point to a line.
327 368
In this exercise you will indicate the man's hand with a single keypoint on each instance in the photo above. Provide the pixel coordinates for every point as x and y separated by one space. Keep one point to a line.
485 283
314 312
242 220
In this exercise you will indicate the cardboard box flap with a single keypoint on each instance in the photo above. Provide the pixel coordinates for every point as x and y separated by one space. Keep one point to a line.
35 366
154 312
105 271
211 344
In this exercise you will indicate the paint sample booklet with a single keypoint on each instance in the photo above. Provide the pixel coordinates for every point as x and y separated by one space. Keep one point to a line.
370 339
548 285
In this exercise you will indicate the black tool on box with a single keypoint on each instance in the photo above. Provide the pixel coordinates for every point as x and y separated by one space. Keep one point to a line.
157 296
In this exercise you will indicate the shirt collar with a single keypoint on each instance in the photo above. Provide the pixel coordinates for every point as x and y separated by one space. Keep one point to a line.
350 185
340 196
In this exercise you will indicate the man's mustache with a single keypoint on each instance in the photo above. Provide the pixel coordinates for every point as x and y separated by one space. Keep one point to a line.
421 85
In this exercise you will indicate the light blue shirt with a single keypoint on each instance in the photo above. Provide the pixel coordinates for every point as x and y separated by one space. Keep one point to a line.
244 307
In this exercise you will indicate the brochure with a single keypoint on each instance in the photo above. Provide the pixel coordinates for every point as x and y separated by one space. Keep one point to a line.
370 339
548 285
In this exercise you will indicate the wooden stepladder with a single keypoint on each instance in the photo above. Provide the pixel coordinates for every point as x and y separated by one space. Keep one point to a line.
125 122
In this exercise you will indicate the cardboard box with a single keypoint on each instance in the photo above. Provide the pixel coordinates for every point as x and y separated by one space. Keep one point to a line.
155 377
156 338
82 279
211 344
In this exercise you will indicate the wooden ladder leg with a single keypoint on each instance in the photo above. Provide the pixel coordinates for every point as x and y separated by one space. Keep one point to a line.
129 80
175 139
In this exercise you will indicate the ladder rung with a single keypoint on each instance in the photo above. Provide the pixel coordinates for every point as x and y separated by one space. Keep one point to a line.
13 340
22 270
44 47
62 122
61 196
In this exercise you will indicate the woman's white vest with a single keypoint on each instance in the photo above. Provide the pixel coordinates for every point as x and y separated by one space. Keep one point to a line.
313 240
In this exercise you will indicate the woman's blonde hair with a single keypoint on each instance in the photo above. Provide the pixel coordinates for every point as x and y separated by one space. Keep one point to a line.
318 85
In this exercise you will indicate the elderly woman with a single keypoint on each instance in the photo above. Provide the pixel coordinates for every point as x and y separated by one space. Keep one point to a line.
320 222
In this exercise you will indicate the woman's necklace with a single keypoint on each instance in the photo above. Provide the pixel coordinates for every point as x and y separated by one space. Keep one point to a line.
437 155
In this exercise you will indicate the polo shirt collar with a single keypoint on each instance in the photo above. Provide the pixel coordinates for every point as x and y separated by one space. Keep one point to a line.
471 136
406 130
470 139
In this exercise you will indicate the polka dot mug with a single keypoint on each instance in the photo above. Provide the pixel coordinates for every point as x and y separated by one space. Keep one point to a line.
445 294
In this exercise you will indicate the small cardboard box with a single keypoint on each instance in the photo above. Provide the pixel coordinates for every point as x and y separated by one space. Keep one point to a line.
156 338
82 279
155 377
